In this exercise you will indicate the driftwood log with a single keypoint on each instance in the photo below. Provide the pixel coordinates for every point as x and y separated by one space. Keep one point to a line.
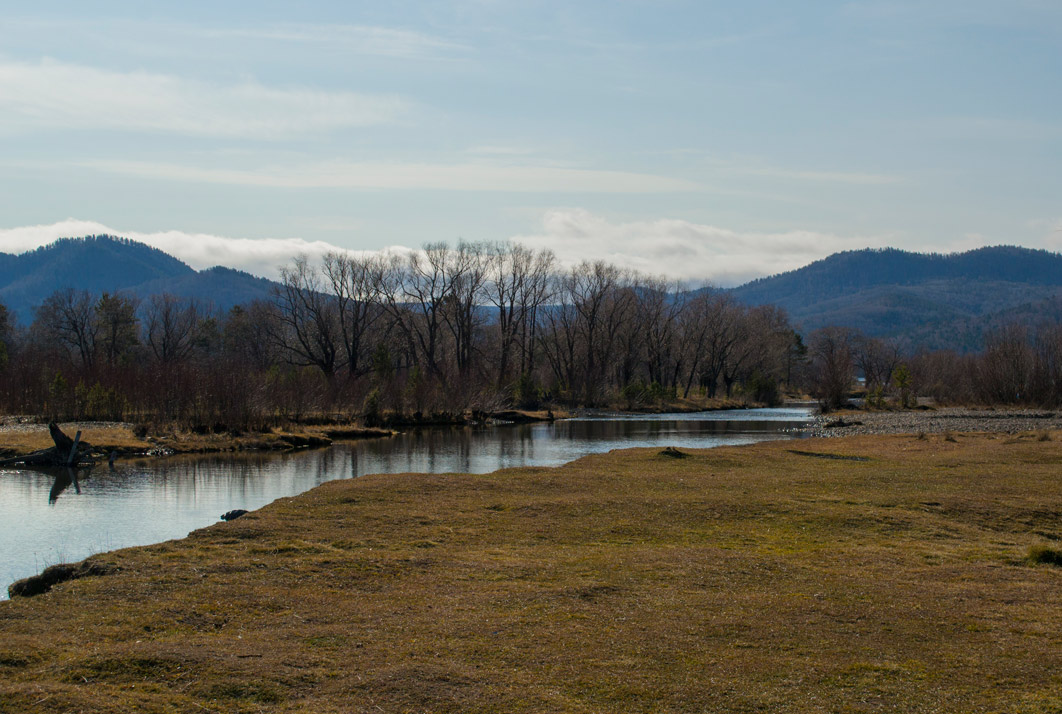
66 452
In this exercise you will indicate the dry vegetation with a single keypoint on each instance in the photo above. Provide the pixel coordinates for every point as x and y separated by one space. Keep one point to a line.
169 439
865 574
26 438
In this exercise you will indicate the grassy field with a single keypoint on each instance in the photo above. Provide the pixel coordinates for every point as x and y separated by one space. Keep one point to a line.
859 575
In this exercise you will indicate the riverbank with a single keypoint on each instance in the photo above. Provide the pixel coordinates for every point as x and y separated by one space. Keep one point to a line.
941 420
24 435
18 438
872 572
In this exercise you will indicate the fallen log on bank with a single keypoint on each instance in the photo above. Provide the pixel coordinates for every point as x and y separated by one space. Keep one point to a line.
66 452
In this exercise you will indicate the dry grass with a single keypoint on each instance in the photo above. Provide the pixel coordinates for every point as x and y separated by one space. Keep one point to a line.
32 437
752 579
107 437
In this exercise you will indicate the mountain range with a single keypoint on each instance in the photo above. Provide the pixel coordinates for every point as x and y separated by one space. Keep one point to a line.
925 300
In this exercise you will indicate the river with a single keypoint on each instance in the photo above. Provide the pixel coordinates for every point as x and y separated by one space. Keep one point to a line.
45 519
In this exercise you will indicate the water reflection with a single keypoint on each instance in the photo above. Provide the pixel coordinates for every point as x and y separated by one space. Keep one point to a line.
64 476
150 500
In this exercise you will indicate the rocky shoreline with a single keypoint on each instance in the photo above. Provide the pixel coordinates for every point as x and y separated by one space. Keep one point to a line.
937 421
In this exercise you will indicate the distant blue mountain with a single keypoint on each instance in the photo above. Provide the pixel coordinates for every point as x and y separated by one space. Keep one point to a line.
111 264
927 300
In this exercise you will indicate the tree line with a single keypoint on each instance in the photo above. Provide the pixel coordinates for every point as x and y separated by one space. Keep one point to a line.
480 327
429 333
1019 365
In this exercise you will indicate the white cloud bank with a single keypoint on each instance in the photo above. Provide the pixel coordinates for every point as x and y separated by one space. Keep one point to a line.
685 250
52 94
673 248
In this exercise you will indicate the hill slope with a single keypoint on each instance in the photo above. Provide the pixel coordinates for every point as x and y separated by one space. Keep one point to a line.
110 264
929 300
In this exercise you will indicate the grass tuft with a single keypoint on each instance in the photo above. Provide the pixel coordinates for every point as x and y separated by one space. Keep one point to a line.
1044 555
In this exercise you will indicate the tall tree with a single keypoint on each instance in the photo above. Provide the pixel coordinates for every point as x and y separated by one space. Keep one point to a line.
415 292
466 274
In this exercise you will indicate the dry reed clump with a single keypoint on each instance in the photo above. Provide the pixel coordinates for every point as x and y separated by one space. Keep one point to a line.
871 573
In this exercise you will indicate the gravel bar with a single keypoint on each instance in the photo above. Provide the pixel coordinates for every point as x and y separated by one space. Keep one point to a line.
937 421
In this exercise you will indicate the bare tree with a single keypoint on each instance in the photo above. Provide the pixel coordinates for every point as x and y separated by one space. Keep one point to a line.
170 324
466 274
1005 367
307 319
600 305
1047 375
831 365
414 293
721 334
759 350
877 359
356 282
516 286
70 317
560 337
660 307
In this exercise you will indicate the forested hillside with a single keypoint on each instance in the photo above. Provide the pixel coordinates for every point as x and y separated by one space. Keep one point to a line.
928 300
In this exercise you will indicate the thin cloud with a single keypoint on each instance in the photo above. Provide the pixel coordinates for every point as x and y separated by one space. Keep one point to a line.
754 167
848 177
393 175
685 250
51 94
356 39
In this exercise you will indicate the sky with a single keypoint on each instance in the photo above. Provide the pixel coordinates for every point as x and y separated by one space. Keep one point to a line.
707 141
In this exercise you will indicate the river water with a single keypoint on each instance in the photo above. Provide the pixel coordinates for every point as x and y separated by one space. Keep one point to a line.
48 518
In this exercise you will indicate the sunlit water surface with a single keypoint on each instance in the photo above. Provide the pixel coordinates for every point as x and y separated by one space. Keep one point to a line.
47 518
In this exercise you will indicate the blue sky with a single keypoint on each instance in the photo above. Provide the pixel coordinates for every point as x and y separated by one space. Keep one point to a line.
703 140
